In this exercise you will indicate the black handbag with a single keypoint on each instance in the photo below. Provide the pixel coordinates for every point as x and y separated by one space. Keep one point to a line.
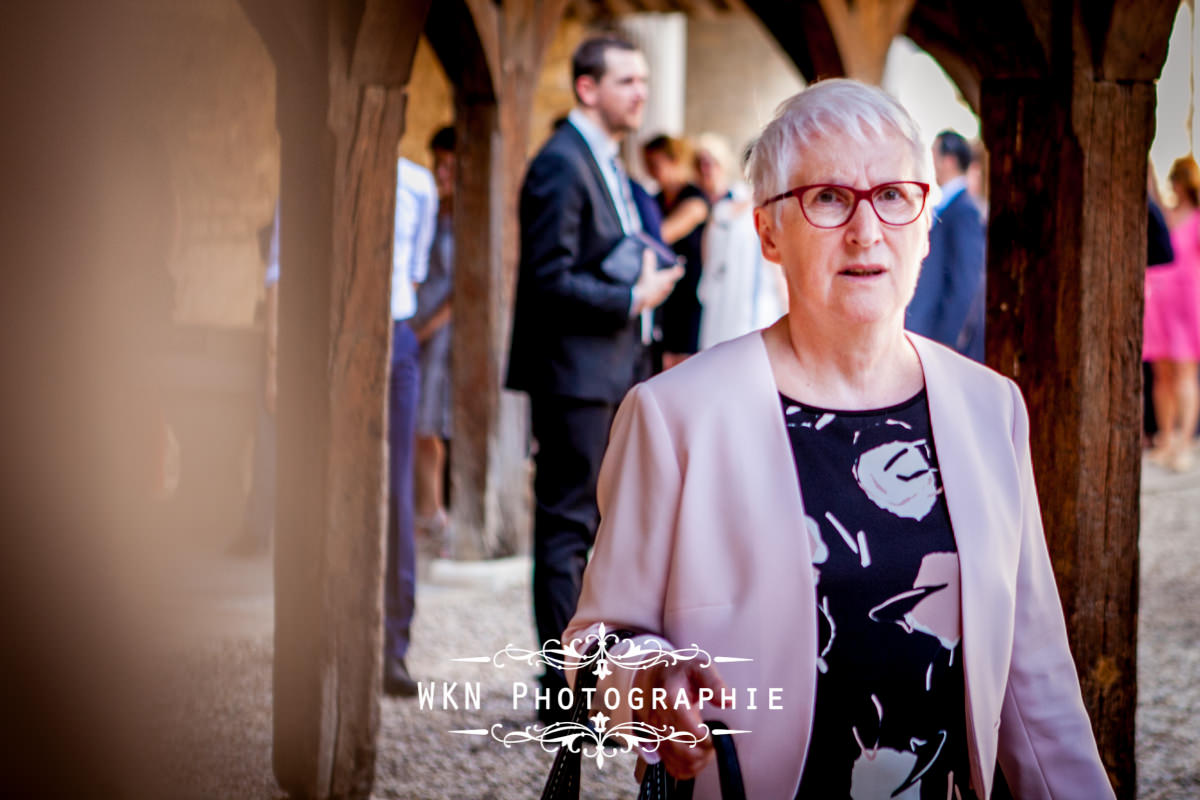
657 784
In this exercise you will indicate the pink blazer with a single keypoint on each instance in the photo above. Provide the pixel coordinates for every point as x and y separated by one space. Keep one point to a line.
701 542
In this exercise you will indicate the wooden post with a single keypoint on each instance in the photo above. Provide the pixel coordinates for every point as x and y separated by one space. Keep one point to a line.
489 469
1067 251
342 70
478 357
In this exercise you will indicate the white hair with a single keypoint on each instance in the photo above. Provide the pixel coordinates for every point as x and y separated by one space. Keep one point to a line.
718 147
841 106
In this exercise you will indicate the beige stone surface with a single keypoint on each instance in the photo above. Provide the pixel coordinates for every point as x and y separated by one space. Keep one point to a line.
208 87
736 76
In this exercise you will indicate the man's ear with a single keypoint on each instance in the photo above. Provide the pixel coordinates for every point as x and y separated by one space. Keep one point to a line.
764 224
585 90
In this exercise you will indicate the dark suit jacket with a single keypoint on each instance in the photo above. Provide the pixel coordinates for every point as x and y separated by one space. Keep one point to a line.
952 275
572 331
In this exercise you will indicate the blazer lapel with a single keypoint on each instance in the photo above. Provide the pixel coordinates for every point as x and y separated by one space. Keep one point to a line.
589 159
984 513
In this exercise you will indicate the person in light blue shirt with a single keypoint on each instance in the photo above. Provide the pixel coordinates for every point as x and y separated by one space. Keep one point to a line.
415 223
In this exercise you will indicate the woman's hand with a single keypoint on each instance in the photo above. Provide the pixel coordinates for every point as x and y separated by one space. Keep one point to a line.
680 760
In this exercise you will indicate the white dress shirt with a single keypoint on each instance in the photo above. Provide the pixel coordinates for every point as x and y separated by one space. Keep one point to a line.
416 221
604 151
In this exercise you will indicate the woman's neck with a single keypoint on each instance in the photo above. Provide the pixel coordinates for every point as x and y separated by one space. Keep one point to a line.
852 368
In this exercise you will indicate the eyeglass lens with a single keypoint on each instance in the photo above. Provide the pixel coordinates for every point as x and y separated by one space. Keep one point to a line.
831 206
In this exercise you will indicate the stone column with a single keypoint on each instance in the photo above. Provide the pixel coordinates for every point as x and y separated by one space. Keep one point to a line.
663 39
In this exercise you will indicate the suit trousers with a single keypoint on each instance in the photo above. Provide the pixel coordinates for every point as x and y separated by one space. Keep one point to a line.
571 437
401 587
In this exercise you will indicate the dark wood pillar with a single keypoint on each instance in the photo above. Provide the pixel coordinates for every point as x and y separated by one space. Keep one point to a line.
804 33
489 469
1067 251
342 70
479 465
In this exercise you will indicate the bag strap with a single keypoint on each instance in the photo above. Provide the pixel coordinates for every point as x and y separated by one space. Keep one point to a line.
563 780
657 783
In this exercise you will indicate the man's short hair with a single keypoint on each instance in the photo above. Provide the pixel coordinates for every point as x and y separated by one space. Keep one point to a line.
950 143
590 58
444 140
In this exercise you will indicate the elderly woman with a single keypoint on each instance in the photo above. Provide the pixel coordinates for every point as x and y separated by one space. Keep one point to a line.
846 508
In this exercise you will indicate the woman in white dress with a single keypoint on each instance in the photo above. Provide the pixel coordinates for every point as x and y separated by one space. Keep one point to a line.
739 290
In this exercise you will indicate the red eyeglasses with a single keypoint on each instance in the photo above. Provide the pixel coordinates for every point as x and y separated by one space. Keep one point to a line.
828 205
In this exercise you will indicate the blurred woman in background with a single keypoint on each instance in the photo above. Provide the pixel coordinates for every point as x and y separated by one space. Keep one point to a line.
1172 325
739 290
685 210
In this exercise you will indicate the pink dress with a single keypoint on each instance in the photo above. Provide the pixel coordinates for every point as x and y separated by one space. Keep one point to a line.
1172 323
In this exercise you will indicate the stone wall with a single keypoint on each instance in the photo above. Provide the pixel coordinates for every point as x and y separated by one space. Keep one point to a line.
209 88
736 76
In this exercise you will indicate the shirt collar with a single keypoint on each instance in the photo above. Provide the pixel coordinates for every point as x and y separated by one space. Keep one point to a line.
599 142
950 190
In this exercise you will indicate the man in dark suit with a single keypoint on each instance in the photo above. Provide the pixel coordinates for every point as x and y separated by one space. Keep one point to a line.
576 329
949 303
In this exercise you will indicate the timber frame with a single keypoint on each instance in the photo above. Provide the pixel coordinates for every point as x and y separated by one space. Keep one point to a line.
1065 92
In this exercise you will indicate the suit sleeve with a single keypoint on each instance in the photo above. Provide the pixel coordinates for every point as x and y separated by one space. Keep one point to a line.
553 206
1046 745
625 583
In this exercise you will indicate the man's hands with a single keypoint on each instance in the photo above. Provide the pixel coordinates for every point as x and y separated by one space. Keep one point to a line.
655 284
680 760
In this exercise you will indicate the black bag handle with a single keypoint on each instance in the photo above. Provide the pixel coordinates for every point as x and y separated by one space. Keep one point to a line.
657 783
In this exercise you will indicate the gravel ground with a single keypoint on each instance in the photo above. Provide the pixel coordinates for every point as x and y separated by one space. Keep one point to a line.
1168 718
219 741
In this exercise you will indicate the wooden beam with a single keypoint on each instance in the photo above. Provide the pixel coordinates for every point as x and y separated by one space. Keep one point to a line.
973 41
385 41
660 6
804 34
483 26
959 69
1065 311
1128 38
489 468
469 53
864 31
